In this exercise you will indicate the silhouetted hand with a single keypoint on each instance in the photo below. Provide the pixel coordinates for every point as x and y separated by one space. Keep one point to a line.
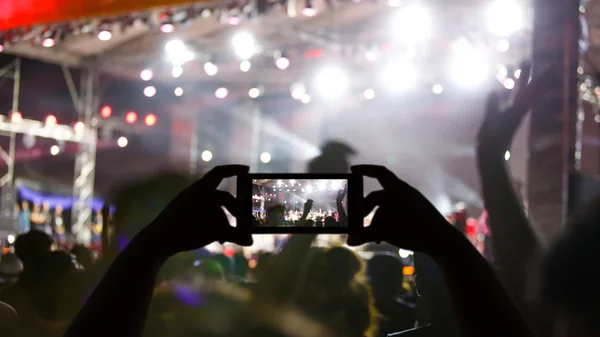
195 218
404 218
308 206
342 194
500 124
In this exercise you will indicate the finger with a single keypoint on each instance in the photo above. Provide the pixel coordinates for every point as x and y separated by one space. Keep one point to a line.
386 178
530 87
373 200
223 198
213 178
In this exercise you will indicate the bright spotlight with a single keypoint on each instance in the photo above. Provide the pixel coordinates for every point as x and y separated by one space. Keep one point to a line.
469 69
507 155
48 43
371 56
150 119
282 63
104 35
10 238
16 117
369 94
51 120
167 28
517 73
178 91
206 155
177 71
131 117
305 99
437 89
149 91
332 82
501 72
79 127
298 90
504 17
503 45
412 24
254 92
210 69
178 52
106 111
399 76
221 93
245 66
122 142
404 253
243 44
146 75
265 157
509 83
54 150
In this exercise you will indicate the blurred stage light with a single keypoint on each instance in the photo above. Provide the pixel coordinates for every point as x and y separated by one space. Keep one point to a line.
48 42
309 11
371 56
221 93
206 155
178 52
369 94
331 82
51 120
104 35
16 117
405 253
122 142
517 73
501 73
507 155
178 91
461 45
131 117
437 89
149 91
1 48
509 83
503 45
210 69
106 111
243 45
150 119
504 17
167 28
412 24
177 71
79 127
146 75
305 99
245 66
254 92
469 69
54 150
234 20
297 90
399 76
282 63
265 157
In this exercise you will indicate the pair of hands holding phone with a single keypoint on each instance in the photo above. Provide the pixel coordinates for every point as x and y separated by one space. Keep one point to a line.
195 217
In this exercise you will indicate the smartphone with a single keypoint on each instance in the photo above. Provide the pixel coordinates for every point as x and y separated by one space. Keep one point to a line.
300 203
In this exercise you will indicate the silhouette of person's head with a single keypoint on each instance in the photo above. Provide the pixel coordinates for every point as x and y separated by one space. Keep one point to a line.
240 266
84 256
25 205
330 222
262 263
385 275
10 268
275 214
333 158
334 292
30 248
58 288
570 276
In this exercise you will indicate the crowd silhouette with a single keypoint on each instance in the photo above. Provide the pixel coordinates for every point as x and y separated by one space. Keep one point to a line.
153 279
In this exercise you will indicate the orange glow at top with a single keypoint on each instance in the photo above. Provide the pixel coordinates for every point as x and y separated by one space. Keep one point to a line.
131 117
16 117
408 270
150 119
106 112
51 120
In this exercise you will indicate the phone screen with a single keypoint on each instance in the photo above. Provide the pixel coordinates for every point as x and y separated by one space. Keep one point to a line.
303 203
